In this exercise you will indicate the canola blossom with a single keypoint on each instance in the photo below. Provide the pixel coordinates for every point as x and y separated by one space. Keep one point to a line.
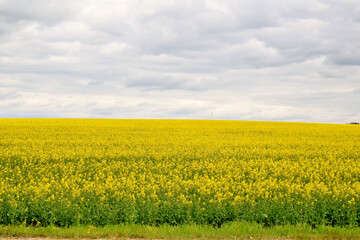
101 171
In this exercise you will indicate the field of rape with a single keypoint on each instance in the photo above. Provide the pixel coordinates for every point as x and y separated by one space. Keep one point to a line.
90 171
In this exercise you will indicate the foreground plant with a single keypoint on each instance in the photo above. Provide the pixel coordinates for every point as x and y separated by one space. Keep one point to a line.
65 172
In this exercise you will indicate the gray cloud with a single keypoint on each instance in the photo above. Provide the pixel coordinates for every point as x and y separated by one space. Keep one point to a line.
253 60
40 11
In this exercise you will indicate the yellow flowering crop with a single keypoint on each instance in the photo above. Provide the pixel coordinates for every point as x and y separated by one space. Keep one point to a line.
92 171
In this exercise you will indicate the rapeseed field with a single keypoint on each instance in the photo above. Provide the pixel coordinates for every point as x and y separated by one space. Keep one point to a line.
90 171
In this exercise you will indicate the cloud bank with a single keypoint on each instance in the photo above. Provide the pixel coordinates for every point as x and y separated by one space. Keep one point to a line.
245 60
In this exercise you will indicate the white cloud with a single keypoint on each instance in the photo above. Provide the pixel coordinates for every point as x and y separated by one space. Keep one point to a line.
260 60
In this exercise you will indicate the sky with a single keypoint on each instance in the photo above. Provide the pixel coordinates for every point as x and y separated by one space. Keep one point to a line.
271 60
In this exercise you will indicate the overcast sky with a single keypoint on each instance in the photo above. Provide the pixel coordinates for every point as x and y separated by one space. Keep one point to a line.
294 60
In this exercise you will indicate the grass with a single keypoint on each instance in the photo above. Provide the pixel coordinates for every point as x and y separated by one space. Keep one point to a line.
235 230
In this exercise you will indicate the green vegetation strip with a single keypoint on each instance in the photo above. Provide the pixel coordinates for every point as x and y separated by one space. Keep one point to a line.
235 230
